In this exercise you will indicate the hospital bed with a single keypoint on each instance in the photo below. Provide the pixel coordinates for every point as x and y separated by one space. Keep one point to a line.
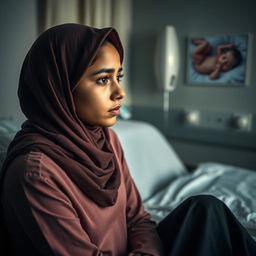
164 181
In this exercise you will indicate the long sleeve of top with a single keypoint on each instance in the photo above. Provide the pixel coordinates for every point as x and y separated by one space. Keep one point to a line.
47 214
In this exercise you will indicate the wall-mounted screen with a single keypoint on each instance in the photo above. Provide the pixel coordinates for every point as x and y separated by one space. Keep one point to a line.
218 60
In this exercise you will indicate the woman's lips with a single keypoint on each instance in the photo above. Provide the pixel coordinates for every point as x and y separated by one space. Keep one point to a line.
115 110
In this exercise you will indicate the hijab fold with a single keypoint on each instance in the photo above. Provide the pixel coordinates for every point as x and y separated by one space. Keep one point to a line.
49 75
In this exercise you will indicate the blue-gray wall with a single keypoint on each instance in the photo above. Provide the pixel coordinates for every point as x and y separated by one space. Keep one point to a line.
19 29
192 18
19 22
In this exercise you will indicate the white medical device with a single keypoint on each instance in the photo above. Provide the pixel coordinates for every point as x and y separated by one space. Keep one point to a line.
167 60
167 63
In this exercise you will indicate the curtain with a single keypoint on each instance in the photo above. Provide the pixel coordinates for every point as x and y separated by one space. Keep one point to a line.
96 13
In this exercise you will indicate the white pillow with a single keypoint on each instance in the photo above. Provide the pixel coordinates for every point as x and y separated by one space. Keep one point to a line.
151 159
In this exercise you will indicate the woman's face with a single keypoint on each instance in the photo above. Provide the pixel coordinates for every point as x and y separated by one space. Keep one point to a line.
98 94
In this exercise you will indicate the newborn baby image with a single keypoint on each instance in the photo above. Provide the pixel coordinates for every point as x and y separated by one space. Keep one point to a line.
226 58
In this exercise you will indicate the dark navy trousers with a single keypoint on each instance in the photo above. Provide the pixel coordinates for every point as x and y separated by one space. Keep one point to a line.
204 226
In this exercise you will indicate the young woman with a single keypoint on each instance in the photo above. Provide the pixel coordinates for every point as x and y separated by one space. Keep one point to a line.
66 188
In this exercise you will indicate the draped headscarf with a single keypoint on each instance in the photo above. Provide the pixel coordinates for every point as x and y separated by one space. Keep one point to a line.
50 72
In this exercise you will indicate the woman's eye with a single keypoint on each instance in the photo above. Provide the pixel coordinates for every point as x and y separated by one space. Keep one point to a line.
105 80
119 77
102 80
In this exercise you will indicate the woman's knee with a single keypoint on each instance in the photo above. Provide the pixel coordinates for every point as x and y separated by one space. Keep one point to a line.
205 201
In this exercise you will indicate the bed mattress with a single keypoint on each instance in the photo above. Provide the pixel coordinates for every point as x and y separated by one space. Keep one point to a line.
236 187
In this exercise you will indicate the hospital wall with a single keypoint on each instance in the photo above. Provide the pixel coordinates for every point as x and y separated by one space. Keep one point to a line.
19 29
194 18
18 21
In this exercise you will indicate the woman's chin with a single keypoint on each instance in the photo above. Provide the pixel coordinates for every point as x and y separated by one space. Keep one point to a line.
109 122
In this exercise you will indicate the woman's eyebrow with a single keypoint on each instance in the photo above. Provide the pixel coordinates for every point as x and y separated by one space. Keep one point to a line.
106 70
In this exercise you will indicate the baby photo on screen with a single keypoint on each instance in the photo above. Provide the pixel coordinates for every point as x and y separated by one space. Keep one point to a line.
218 60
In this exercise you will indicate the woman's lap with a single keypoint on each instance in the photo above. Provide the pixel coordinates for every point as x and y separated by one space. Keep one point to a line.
204 226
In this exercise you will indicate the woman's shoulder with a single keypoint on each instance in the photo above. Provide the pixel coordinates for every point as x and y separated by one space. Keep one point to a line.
33 162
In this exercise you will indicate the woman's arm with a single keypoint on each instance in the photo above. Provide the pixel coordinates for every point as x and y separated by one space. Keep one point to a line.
142 235
53 213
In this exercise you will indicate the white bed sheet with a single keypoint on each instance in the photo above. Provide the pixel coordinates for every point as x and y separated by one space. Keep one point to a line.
234 186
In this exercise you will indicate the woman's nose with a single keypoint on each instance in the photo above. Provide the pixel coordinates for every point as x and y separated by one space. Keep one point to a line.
118 93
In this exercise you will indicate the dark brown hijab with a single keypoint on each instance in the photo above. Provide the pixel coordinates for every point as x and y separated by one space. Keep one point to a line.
50 72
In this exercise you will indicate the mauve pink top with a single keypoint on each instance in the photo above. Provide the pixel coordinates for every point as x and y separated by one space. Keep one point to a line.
47 214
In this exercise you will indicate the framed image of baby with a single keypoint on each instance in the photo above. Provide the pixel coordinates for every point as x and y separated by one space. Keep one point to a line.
219 60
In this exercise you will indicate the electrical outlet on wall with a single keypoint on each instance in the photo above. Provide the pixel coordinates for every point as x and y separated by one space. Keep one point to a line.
241 122
217 120
191 117
223 128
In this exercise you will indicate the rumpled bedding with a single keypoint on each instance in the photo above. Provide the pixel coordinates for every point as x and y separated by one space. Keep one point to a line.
7 131
236 187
